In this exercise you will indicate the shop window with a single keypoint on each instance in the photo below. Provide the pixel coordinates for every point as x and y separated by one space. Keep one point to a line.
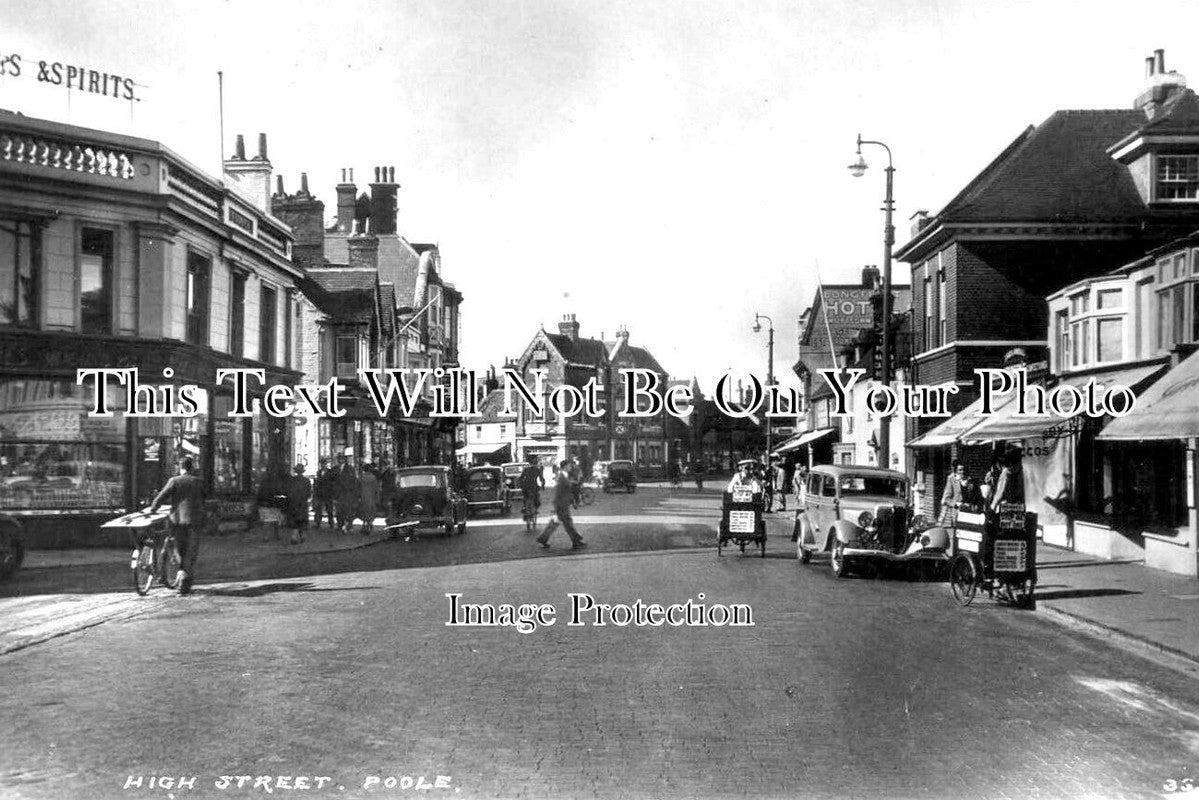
199 268
95 281
268 310
1177 178
52 456
237 315
20 264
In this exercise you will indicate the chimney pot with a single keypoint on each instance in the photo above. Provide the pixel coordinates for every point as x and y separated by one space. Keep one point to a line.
351 174
1150 62
279 186
239 149
1160 55
391 174
262 146
376 174
304 183
343 174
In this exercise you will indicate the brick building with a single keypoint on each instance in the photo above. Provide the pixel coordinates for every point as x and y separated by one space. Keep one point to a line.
1078 195
569 358
373 300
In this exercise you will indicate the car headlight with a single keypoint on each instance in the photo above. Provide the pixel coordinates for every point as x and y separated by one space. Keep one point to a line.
865 520
418 509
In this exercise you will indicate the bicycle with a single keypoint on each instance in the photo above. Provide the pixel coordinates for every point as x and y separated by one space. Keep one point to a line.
152 562
584 496
529 511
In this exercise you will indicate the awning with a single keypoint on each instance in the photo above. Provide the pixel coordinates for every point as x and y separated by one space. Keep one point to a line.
1169 409
953 429
484 449
799 440
1004 425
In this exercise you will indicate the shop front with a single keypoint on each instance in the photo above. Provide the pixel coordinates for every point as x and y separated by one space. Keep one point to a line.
64 470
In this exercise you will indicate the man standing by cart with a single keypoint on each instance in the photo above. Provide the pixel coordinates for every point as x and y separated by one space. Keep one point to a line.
185 495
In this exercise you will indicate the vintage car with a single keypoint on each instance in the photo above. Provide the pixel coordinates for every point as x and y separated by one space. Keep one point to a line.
512 471
618 475
486 490
859 514
425 500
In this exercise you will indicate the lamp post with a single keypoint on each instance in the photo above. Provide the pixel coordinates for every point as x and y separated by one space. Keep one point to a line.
858 168
769 369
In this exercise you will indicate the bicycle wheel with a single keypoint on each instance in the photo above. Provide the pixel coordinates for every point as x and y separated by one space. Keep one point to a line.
586 496
143 570
171 563
963 578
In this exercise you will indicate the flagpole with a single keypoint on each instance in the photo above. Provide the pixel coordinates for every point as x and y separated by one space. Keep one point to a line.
220 83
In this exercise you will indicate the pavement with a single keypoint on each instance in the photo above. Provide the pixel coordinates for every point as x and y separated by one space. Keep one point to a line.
1124 602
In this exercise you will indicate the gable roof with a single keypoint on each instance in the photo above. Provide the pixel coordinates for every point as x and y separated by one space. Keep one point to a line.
590 352
491 408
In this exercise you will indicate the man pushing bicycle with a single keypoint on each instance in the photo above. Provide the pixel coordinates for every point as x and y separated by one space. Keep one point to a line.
185 495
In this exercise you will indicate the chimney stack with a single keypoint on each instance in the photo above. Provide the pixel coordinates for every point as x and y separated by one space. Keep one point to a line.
383 201
622 334
346 193
870 277
252 178
1163 86
569 327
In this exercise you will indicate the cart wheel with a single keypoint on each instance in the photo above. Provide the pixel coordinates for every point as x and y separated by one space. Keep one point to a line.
837 559
963 579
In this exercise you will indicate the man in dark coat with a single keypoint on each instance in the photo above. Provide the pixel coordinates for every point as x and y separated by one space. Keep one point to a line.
185 495
348 490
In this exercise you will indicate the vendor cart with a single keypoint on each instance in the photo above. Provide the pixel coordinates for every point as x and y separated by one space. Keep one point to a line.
995 552
741 520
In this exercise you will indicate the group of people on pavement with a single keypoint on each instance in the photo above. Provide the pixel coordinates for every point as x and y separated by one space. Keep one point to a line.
343 494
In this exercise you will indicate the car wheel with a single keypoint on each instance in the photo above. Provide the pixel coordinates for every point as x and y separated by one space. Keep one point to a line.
837 559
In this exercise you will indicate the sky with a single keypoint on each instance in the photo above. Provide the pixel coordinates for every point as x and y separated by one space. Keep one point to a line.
671 166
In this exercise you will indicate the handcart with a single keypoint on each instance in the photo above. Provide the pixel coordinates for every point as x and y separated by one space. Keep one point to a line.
741 520
995 552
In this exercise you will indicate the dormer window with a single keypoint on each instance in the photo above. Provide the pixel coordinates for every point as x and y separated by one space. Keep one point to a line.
1177 178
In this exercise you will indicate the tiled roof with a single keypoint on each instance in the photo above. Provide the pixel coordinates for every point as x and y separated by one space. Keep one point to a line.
643 359
346 294
491 408
579 351
1059 171
1179 115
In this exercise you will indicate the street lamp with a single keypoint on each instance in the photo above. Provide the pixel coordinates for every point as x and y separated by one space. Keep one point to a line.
858 168
769 370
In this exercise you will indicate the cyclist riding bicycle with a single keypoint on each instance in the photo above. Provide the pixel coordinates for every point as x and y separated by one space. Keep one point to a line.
185 495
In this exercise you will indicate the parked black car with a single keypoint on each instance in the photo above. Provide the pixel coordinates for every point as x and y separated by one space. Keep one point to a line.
426 496
619 475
